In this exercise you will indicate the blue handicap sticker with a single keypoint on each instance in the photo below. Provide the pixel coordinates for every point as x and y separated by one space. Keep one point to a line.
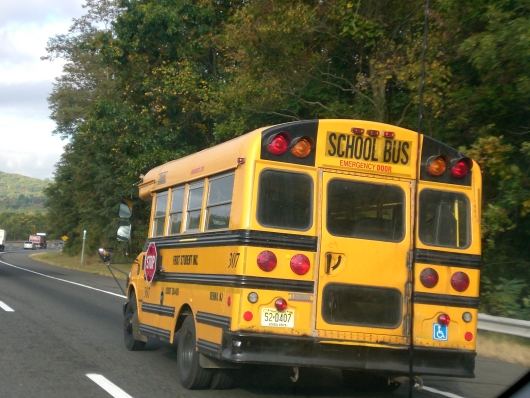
439 332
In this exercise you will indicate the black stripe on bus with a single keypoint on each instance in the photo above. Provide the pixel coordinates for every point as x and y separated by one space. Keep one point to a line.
240 237
435 257
209 348
446 300
158 309
217 321
157 333
240 281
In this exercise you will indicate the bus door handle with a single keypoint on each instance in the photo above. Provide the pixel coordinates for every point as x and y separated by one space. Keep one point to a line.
329 258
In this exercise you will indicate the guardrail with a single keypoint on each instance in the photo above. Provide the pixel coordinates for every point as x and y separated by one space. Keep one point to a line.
497 324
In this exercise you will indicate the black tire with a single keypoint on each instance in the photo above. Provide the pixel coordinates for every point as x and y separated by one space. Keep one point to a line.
191 374
223 379
128 333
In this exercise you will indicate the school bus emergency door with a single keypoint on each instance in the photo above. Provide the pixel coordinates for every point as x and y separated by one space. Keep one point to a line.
363 274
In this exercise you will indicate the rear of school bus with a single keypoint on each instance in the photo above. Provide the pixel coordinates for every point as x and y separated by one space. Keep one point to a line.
349 243
387 232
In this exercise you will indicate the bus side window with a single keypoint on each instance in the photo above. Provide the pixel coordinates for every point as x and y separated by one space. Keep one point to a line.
194 205
219 202
159 221
175 212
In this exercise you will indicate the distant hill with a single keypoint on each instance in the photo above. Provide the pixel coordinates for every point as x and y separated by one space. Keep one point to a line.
21 194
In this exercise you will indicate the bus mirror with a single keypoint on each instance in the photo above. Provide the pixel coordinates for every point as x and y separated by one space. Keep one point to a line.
125 208
105 254
124 231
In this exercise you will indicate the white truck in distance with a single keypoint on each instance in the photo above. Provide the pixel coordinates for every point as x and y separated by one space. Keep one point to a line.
2 239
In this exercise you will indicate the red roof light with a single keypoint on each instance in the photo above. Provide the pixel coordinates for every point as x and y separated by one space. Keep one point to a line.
279 143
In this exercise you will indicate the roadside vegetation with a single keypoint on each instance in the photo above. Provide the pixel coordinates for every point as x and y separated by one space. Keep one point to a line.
148 81
91 264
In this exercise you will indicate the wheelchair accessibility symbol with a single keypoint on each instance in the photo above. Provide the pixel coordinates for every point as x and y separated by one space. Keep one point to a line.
439 332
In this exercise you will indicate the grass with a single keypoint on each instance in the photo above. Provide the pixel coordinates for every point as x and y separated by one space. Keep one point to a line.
92 264
491 345
504 347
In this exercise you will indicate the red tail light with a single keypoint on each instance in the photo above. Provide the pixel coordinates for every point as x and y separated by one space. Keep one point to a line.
460 281
267 260
300 264
468 336
429 277
460 169
444 319
280 304
279 143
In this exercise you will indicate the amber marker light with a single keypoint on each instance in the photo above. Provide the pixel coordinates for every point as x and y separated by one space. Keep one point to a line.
436 166
301 148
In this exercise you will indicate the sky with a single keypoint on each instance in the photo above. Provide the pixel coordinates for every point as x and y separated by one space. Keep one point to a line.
27 145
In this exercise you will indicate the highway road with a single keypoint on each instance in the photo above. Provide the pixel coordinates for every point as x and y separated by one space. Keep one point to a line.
62 337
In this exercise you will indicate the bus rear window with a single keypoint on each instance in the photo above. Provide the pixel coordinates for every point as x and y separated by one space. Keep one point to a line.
365 211
444 219
285 200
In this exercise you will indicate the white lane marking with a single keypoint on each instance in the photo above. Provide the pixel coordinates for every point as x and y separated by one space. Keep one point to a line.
445 394
5 307
64 280
111 388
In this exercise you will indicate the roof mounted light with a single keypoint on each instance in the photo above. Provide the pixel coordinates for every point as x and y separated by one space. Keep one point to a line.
460 167
389 134
436 165
279 143
301 147
373 133
356 130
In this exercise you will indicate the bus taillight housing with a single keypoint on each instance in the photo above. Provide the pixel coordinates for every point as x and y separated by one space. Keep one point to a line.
460 281
429 277
302 147
300 264
437 165
460 167
279 143
267 261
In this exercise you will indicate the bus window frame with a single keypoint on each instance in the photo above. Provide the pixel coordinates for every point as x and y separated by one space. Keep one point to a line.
156 218
207 205
311 202
172 211
191 187
468 219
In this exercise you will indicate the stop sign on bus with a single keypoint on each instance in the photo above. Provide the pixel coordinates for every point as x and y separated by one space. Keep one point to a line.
150 262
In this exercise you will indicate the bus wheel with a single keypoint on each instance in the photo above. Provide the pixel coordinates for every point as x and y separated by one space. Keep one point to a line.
191 374
223 379
131 316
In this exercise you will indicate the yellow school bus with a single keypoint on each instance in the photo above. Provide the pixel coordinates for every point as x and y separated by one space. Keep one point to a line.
342 244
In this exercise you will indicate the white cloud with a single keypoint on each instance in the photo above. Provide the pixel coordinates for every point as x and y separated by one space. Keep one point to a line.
28 147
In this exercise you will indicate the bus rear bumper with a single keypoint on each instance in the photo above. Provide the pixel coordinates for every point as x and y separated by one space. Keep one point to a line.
309 352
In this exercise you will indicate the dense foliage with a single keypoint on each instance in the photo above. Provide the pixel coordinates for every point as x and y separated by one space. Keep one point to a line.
147 81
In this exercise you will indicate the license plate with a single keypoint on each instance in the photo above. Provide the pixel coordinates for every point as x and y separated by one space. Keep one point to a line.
278 319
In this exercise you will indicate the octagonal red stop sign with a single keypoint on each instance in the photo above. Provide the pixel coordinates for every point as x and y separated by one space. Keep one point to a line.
150 262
